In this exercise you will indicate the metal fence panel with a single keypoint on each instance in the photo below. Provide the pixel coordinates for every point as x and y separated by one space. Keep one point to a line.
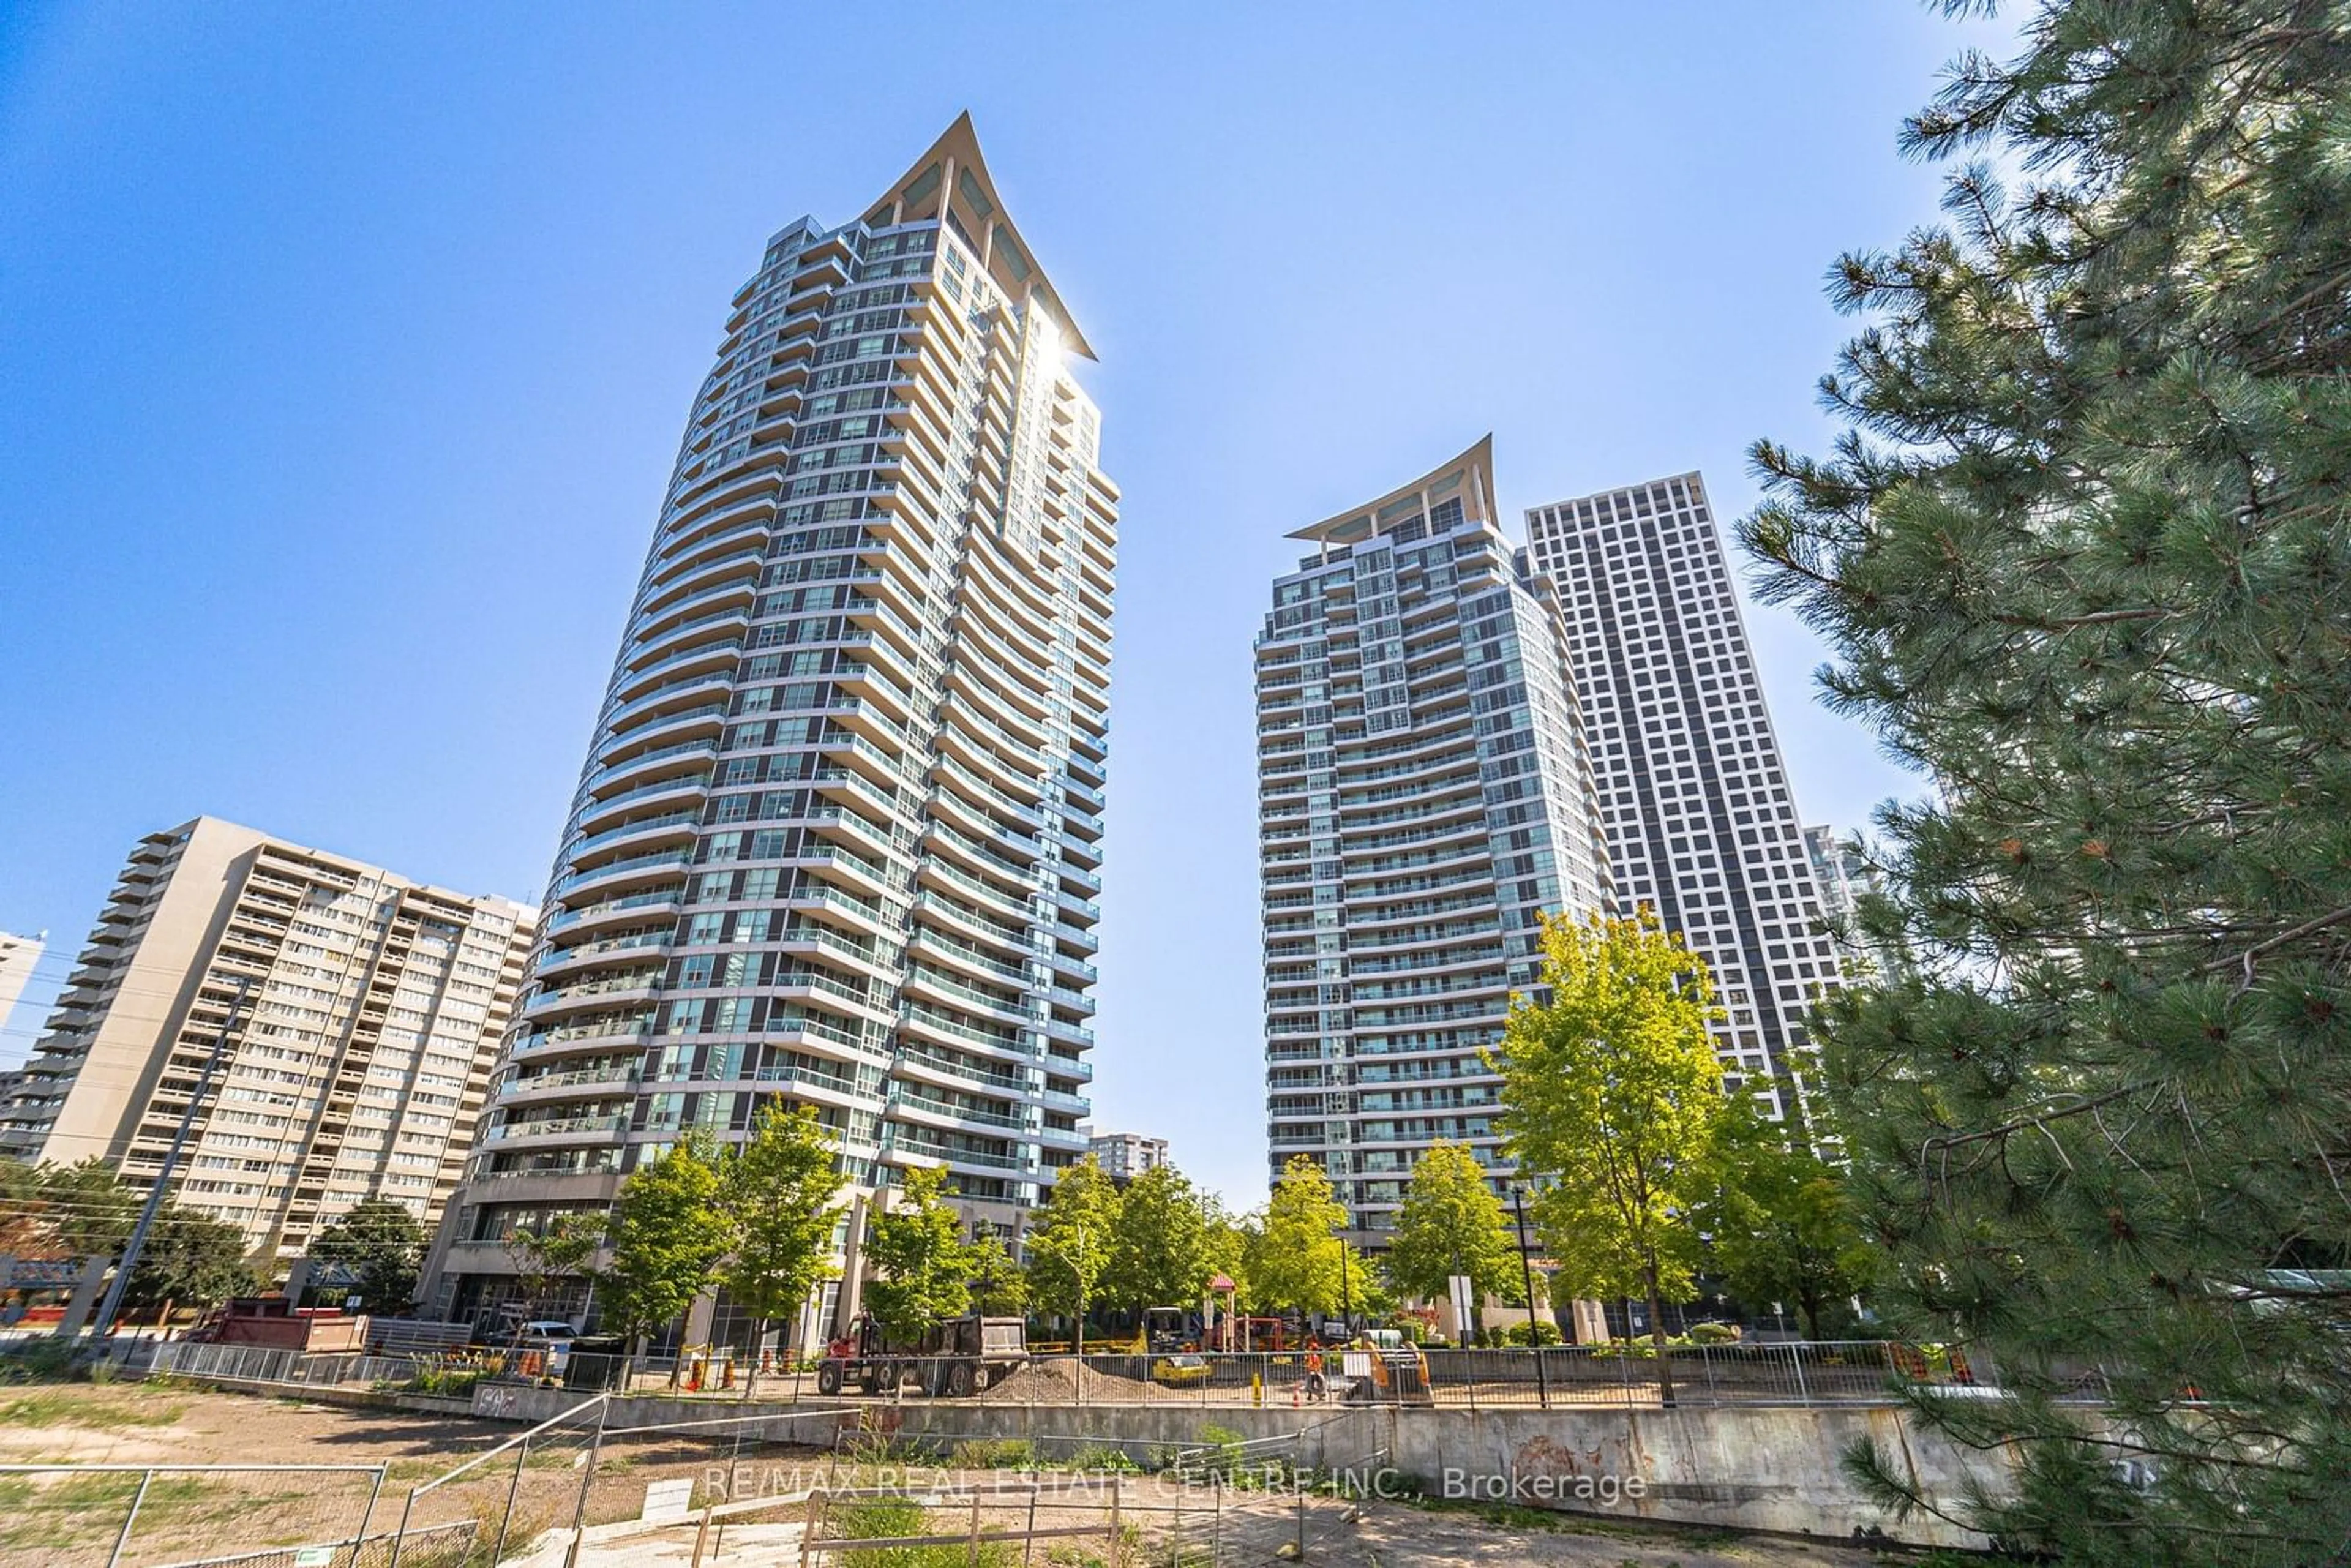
1789 1373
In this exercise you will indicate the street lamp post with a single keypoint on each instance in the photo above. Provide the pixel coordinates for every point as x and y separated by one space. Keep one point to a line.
1527 1268
1346 1296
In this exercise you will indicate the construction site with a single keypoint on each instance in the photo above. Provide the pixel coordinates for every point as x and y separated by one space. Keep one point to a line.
209 1455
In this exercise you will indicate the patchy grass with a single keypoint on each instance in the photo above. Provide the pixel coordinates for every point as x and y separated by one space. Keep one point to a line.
992 1453
88 1507
102 1412
883 1518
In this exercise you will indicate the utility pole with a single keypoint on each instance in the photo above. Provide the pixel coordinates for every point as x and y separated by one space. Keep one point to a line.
1527 1269
104 1322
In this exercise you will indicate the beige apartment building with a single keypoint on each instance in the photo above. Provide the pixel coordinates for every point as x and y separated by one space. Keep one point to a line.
356 1015
18 957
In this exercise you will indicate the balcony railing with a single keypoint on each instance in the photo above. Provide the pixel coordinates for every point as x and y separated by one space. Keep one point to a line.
507 1132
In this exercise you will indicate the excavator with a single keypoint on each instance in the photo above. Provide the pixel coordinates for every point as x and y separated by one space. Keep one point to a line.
1382 1367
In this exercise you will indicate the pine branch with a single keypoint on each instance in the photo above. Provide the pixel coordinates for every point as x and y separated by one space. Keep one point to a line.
2262 949
1944 1145
2095 618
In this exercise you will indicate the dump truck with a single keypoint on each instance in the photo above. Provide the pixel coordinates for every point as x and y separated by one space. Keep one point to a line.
954 1357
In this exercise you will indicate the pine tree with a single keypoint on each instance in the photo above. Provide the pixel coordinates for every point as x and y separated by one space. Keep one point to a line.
1612 1099
1451 1223
2083 555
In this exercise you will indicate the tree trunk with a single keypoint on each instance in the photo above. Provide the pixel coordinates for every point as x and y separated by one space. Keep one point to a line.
752 1370
1658 1336
1810 1305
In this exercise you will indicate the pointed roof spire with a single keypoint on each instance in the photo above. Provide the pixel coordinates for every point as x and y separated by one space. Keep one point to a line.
976 214
1469 476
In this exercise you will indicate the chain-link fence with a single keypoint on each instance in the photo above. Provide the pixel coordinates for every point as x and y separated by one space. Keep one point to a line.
1808 1372
1855 1372
65 1515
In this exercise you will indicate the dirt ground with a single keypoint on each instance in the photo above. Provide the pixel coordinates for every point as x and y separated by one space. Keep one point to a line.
55 1521
65 1521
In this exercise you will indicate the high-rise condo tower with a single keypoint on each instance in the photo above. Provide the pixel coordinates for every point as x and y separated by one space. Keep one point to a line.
1424 794
836 839
1700 823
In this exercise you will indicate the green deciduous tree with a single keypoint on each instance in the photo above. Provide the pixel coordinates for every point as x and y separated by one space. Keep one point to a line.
2084 556
189 1260
1451 1223
776 1191
548 1255
923 1265
1782 1224
667 1235
87 1209
1294 1265
382 1243
1160 1254
23 1228
1071 1242
1612 1095
999 1287
1227 1248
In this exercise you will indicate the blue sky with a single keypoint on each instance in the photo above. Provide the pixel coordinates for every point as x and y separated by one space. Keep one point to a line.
344 351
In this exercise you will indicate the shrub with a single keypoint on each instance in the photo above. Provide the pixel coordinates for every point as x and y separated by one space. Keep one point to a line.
1098 1458
1534 1333
1715 1334
1224 1446
40 1361
879 1519
992 1453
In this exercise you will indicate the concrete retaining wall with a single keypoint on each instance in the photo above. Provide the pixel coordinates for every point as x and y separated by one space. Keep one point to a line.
1746 1468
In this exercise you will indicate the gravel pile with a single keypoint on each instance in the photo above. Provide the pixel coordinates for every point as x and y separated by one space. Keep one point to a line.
1059 1382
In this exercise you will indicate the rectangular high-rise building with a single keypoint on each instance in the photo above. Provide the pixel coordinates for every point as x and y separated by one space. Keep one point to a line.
1125 1156
1424 795
837 837
1701 822
355 1063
